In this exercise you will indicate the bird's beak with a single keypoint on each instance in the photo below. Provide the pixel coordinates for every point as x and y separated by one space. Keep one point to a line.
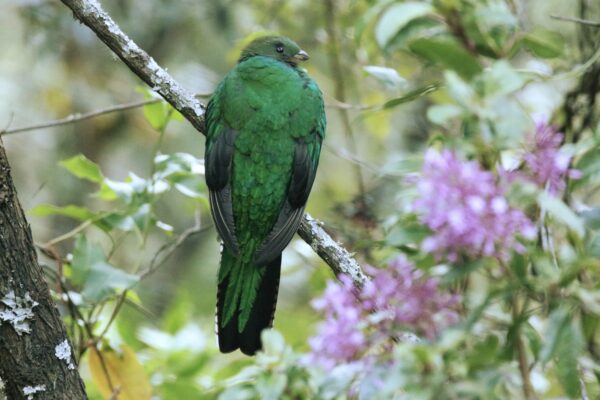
301 56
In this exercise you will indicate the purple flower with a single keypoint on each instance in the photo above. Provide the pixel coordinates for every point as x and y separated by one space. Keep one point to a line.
360 326
467 210
547 165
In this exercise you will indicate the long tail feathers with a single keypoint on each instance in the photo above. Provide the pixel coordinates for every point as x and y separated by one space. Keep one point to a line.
261 314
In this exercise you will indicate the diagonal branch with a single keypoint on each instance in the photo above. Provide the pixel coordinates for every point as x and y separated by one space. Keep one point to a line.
90 13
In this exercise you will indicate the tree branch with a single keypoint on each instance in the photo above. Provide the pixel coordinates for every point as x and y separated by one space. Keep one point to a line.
79 117
337 257
35 352
577 20
90 13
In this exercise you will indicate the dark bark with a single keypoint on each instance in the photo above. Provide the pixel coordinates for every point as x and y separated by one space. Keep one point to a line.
35 354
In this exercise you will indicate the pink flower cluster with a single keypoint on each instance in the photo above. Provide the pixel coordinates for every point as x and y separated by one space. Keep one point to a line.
362 325
467 210
547 165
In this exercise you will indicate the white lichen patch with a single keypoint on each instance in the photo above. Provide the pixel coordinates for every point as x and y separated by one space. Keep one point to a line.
2 395
16 311
63 352
30 391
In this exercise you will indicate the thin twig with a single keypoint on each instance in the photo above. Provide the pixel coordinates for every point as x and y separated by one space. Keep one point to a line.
168 248
69 234
74 118
528 390
80 117
577 20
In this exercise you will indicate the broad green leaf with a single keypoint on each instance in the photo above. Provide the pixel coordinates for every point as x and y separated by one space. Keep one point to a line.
591 218
459 90
544 43
501 79
83 168
158 114
75 212
367 18
593 246
484 353
589 299
111 190
97 278
389 77
448 53
125 372
396 17
407 233
562 213
84 256
104 279
117 220
417 28
567 366
441 113
557 325
518 265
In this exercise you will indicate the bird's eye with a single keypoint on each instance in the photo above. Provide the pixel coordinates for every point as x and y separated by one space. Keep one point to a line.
279 48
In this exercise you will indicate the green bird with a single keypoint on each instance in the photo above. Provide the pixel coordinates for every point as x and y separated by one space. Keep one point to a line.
265 126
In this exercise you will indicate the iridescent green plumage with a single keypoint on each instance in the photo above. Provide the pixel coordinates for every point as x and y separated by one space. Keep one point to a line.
265 125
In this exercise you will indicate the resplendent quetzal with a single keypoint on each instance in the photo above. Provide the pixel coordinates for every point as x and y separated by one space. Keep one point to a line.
265 125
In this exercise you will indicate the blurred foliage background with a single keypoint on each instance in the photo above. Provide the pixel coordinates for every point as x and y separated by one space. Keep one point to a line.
397 77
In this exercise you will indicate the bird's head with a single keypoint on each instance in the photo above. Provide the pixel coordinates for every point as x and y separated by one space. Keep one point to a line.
277 47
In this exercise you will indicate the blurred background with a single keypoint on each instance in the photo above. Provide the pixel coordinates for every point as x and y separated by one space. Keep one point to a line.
52 66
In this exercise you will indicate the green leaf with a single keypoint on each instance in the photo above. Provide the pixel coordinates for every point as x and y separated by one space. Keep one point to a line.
398 16
75 212
410 233
484 353
117 220
544 43
83 168
591 218
593 246
448 53
97 278
557 325
562 213
501 79
84 256
104 279
441 113
412 95
567 366
518 265
459 90
389 77
158 114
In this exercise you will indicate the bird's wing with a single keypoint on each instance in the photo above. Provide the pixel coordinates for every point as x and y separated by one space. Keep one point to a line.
218 159
306 160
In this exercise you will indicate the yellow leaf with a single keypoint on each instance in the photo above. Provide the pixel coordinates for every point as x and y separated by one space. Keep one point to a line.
125 371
